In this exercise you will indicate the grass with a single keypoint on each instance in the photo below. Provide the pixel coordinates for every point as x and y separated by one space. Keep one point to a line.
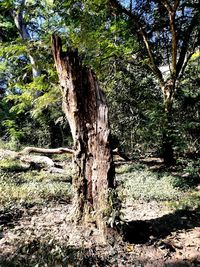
38 187
19 186
11 165
140 183
33 192
191 201
129 168
11 145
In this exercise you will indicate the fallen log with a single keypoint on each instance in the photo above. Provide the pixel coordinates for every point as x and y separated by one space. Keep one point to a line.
60 150
63 150
39 162
51 151
33 161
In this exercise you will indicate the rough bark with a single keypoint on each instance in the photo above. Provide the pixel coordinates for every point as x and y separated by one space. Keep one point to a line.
85 108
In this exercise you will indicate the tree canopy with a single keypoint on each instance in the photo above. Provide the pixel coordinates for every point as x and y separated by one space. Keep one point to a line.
144 53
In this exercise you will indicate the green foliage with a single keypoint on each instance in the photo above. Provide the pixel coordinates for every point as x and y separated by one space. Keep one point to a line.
26 99
135 113
128 168
13 51
13 130
190 173
187 121
13 144
108 41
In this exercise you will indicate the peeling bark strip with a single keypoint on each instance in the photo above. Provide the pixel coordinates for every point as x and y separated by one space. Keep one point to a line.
85 108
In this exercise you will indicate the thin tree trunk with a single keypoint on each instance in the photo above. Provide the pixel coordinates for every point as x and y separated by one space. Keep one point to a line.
167 148
85 108
56 135
22 28
167 145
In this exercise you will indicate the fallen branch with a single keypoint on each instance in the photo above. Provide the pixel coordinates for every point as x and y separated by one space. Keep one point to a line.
51 151
39 162
60 150
63 150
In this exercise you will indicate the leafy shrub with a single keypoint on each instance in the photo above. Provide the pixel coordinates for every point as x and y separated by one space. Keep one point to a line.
12 144
190 173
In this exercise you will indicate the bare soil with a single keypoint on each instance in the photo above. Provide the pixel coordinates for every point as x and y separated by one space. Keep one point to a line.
152 236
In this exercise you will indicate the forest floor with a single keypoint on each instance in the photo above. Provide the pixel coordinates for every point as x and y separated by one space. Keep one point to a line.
160 208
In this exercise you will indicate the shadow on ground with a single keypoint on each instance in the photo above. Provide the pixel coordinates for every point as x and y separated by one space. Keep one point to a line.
139 232
46 255
8 218
51 254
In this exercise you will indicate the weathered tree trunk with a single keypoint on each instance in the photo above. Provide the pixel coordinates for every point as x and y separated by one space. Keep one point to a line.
85 108
167 146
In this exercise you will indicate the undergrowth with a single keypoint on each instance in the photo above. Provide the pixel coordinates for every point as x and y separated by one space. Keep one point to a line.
32 187
20 185
12 144
191 201
11 165
140 183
